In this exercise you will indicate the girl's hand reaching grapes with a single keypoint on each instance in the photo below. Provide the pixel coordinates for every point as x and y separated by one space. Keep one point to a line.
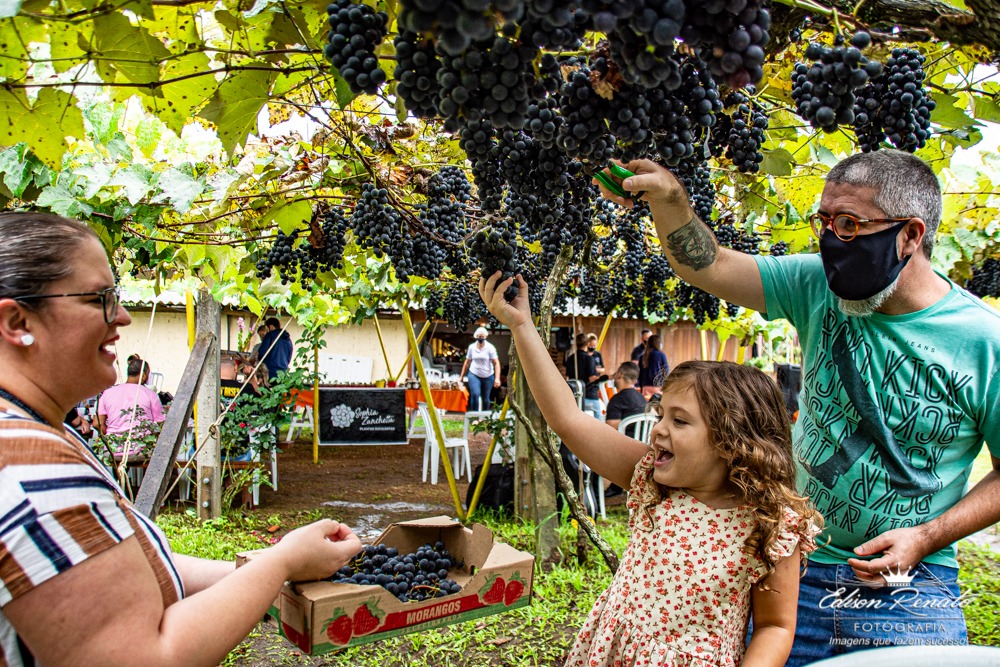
511 314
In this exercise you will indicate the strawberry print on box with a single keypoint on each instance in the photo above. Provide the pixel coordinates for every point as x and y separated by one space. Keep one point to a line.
681 596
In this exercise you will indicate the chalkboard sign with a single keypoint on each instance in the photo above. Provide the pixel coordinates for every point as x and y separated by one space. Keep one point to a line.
362 416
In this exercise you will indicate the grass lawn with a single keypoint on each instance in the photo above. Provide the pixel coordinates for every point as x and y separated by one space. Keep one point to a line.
539 634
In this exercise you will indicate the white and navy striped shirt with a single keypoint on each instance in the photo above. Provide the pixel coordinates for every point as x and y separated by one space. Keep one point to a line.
58 507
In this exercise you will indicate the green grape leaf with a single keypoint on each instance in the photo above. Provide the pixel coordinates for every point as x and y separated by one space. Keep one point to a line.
986 109
777 162
135 181
179 189
61 201
236 104
125 49
950 112
68 44
289 216
44 126
175 102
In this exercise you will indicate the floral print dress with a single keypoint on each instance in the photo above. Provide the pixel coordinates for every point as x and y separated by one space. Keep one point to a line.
681 596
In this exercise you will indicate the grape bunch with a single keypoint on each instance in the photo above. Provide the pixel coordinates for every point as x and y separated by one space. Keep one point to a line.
458 24
779 249
585 133
703 305
824 92
478 140
414 577
697 181
329 253
494 249
449 181
417 65
746 132
552 24
895 105
726 234
356 30
490 80
681 119
283 256
985 279
655 275
462 305
730 35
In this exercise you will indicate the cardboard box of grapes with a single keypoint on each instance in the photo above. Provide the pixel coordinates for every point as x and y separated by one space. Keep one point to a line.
489 577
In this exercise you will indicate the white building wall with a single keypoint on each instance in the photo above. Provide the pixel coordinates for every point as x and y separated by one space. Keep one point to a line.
164 345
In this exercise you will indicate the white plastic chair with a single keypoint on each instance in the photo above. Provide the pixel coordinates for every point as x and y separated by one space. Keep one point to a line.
300 420
155 381
643 426
460 457
579 388
605 391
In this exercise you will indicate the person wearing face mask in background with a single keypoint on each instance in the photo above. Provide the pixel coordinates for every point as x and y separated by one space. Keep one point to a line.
483 366
900 386
594 354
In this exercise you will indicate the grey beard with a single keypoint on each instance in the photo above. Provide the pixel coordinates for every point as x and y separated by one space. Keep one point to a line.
865 307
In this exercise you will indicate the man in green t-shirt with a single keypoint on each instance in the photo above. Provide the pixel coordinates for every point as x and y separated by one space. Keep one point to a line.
900 385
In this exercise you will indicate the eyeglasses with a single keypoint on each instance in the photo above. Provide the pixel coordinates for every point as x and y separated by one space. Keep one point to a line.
110 298
844 225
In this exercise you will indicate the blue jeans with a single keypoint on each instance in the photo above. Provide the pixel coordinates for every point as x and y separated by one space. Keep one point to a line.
839 614
592 405
479 388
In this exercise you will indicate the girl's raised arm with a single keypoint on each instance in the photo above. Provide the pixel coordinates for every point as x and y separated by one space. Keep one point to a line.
774 616
609 453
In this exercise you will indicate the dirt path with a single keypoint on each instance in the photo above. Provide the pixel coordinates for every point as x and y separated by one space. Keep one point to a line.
367 487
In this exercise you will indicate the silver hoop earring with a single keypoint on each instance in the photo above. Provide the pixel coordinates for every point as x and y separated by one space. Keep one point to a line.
27 339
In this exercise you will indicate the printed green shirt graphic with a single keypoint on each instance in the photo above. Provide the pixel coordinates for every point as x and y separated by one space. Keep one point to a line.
893 409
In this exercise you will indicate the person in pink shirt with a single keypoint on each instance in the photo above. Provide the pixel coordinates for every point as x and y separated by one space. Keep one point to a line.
119 405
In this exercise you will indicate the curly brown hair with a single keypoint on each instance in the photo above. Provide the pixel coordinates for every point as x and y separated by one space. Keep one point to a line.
748 426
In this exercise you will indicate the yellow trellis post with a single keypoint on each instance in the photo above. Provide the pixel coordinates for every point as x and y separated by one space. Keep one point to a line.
604 331
427 326
435 417
381 343
481 482
704 345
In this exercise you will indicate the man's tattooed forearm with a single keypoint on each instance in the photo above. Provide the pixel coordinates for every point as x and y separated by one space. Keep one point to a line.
693 245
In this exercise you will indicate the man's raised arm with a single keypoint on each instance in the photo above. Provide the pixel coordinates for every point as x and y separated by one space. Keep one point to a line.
688 243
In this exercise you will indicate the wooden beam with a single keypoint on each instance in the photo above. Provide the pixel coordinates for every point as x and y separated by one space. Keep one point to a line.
168 444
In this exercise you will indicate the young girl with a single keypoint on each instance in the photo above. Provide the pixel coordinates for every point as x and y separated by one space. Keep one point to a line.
718 532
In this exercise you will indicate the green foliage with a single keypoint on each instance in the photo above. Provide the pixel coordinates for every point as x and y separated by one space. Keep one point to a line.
169 197
252 420
218 539
979 579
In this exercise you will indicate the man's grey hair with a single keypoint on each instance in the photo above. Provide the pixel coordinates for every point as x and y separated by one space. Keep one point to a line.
905 187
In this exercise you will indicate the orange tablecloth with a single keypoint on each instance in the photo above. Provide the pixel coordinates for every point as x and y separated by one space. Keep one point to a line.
303 397
452 400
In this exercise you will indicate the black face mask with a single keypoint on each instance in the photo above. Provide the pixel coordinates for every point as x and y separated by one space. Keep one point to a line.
860 269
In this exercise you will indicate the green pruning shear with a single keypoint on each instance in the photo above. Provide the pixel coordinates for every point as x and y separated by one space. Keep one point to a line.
612 185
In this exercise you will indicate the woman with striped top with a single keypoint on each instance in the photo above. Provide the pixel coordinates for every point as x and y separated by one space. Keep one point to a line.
85 579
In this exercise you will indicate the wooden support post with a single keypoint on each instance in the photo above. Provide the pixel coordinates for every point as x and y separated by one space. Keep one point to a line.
435 417
704 345
722 350
315 410
209 471
168 444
